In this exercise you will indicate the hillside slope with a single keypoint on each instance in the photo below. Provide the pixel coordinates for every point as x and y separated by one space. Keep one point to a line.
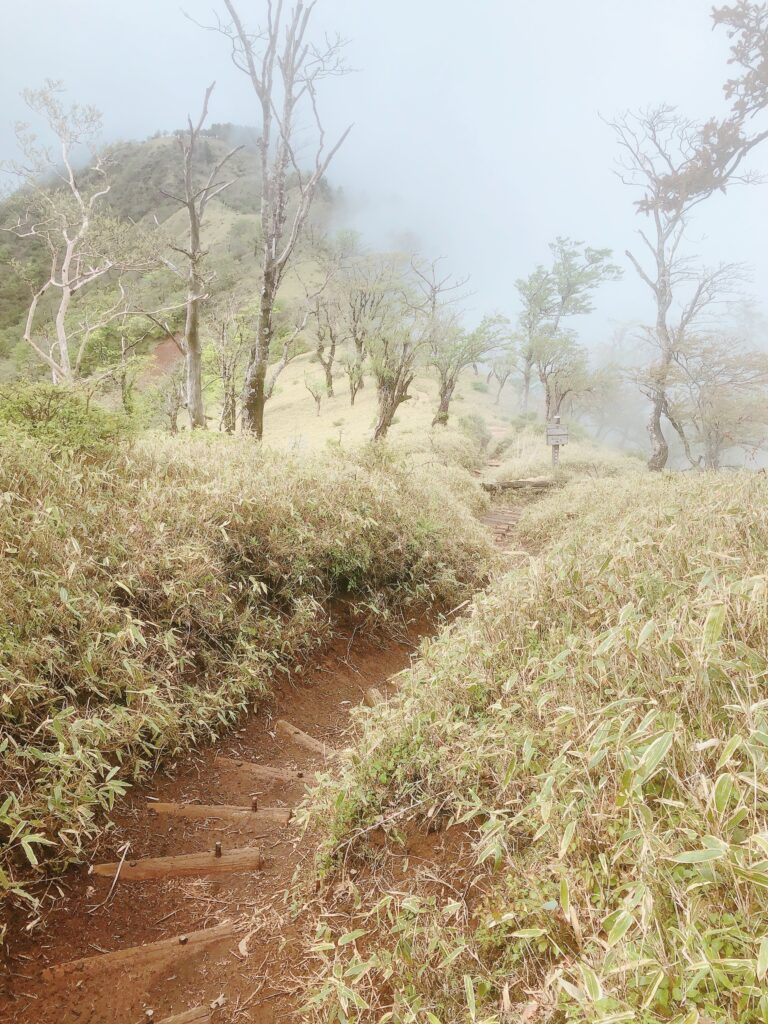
561 816
140 173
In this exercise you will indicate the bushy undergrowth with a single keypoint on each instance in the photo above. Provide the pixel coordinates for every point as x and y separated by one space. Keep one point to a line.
62 419
599 728
147 600
524 453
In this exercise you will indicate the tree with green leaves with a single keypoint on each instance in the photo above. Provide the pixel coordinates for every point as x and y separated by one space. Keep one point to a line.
452 349
550 296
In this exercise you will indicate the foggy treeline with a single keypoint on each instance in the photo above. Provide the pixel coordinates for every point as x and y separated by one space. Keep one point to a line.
231 243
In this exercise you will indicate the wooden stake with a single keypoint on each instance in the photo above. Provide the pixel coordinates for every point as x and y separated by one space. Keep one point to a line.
136 955
303 739
242 815
246 858
197 1015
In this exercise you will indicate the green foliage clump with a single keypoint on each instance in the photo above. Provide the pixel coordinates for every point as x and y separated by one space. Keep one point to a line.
146 603
597 732
476 429
61 419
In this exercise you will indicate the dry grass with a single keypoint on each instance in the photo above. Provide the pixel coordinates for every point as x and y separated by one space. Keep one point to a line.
599 724
524 453
147 601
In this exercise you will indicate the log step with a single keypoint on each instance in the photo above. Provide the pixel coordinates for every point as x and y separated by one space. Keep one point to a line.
197 1015
135 956
267 774
247 858
303 739
242 815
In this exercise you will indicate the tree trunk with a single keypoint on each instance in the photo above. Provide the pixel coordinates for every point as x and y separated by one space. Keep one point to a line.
255 390
327 365
527 370
446 394
355 376
229 409
194 355
388 403
659 446
359 357
192 352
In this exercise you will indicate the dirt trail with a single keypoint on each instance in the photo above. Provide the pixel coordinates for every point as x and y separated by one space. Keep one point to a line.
150 954
253 972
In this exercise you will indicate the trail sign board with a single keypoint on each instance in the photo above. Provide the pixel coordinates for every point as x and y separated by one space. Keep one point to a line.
557 434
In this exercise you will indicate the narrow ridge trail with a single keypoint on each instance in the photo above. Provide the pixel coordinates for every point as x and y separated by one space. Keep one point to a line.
183 917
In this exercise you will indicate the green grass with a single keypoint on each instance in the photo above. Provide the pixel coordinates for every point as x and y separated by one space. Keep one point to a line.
598 728
147 601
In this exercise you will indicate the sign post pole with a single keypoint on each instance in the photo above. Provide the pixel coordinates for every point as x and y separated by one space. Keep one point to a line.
557 435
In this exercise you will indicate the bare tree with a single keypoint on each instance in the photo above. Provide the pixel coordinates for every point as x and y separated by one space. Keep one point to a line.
655 145
722 398
195 199
64 210
328 326
714 159
315 389
451 348
368 286
563 371
172 394
230 338
502 368
284 69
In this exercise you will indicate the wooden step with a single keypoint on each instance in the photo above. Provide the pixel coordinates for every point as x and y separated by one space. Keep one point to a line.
179 945
303 739
265 773
197 1015
247 858
242 815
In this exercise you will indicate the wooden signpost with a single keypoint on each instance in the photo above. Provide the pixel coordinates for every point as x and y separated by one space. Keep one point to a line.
556 435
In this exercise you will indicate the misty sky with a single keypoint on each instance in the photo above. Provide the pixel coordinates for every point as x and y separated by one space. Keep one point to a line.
477 128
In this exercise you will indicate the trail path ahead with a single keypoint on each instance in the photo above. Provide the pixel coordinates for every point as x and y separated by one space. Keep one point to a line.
197 926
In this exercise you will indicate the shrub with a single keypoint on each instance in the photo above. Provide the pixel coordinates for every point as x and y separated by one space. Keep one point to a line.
476 429
61 419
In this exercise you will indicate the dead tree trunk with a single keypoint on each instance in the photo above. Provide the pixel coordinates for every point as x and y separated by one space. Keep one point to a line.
284 70
195 200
